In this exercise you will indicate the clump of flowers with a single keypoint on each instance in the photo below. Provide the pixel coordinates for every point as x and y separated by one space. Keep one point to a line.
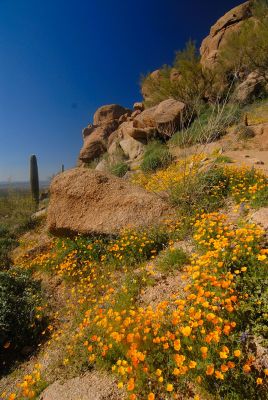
243 184
184 338
28 388
165 179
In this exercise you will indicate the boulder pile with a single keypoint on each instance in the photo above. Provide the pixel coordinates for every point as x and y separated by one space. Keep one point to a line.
117 128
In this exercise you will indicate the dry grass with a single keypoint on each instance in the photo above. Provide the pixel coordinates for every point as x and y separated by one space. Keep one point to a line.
16 208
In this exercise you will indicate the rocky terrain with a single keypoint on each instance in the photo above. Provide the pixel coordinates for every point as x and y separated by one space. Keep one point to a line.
152 252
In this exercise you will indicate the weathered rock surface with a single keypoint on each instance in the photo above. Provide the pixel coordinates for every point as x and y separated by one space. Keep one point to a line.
260 217
250 88
87 201
102 166
169 112
227 24
132 148
95 141
138 106
94 146
109 113
128 129
106 121
91 386
260 130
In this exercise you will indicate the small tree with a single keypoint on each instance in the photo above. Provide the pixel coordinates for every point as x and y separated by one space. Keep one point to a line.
192 80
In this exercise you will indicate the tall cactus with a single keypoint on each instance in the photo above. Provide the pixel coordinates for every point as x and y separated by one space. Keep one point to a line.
62 167
34 179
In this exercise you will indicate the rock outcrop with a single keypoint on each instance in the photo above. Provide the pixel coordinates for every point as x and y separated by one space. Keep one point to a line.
91 386
114 123
90 202
109 113
251 88
105 122
166 116
260 217
219 32
95 143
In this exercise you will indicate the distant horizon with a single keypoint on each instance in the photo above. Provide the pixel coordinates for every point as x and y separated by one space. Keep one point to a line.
58 67
21 182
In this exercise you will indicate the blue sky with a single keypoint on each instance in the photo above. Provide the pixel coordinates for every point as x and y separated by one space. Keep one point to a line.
62 59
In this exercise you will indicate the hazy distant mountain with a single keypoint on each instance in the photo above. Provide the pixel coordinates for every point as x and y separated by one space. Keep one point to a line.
21 185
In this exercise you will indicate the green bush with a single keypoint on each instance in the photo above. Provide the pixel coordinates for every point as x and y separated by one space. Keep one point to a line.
223 159
16 208
194 81
7 243
172 259
260 199
210 124
156 156
205 191
119 169
20 323
244 132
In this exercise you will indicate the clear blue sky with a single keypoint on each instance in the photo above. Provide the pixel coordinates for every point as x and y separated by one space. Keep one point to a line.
62 59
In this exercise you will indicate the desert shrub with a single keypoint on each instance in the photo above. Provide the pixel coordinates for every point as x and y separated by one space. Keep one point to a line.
16 208
253 309
260 198
173 259
210 124
21 318
205 191
119 169
7 243
223 159
191 82
156 156
244 132
74 257
247 184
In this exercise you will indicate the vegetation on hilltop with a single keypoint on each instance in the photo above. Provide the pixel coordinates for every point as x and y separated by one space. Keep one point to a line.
188 80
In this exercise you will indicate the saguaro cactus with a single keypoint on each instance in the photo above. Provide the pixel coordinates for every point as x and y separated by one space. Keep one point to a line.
34 179
62 167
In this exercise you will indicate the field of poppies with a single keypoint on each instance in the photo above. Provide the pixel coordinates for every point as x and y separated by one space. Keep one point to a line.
198 343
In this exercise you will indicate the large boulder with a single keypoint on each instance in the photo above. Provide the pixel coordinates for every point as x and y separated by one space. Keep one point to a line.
142 134
95 142
169 115
250 89
127 130
220 31
109 113
138 106
106 121
90 202
132 148
260 217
